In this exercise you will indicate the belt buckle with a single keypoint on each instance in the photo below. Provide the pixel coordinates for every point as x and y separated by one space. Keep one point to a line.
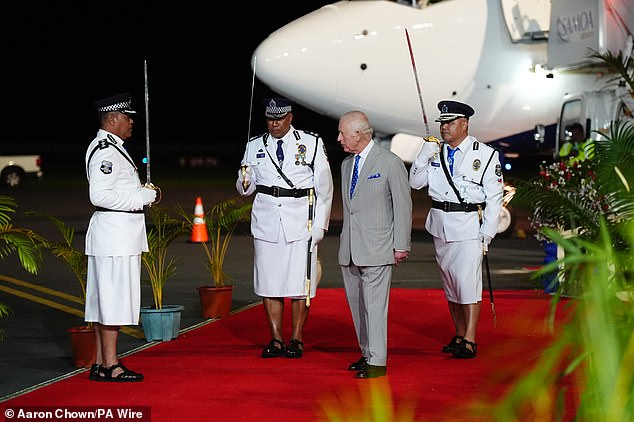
446 206
275 191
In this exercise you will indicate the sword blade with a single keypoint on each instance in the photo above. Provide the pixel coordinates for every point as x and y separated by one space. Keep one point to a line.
420 94
147 125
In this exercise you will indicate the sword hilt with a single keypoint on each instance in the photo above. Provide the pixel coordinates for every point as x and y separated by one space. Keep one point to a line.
245 184
159 194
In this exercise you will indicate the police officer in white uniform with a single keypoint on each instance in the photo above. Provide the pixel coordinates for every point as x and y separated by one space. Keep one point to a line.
116 236
464 179
286 167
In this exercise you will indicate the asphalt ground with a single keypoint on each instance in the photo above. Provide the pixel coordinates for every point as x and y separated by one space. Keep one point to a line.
36 349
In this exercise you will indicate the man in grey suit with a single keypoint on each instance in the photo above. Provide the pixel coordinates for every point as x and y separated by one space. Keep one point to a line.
376 235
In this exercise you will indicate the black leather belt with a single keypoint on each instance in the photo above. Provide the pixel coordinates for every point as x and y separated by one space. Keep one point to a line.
109 210
277 191
453 206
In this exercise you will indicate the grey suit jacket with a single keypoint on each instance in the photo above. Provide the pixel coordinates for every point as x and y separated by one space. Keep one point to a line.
378 218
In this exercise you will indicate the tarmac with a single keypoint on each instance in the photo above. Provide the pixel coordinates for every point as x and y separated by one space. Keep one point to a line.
36 349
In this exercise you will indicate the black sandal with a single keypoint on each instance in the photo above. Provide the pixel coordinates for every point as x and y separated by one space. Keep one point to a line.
272 351
105 374
94 372
463 352
295 349
452 345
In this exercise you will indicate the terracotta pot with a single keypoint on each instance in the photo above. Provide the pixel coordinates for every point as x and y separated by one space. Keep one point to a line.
83 341
215 302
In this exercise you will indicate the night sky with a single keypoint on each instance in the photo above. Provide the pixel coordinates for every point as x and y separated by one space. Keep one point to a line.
60 56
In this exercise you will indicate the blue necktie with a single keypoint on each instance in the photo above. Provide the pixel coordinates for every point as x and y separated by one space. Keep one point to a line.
355 175
450 153
280 152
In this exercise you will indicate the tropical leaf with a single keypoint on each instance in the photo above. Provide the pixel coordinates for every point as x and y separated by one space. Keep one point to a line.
163 231
221 221
620 66
25 242
73 258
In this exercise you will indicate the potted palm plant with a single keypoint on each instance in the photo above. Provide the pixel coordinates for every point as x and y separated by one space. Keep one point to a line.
161 322
221 220
82 336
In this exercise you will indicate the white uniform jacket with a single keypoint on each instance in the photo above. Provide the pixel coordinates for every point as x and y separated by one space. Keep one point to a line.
114 185
301 150
478 177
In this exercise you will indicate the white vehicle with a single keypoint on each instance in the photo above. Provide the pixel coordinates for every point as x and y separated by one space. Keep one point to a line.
511 60
594 111
15 168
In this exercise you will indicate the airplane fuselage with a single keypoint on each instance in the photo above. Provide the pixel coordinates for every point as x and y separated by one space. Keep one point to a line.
355 55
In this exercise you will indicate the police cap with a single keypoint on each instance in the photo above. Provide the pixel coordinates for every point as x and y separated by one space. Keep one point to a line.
277 108
452 110
120 102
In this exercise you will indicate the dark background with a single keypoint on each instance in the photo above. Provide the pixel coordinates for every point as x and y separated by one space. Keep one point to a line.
61 56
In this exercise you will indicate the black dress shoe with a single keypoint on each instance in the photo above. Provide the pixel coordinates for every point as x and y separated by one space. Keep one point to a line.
463 352
295 349
452 345
359 365
372 371
272 351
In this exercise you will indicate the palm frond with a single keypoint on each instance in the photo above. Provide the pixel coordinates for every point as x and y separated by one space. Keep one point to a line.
221 221
620 66
73 258
7 209
163 231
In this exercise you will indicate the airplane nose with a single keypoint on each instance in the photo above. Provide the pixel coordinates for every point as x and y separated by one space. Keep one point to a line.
291 59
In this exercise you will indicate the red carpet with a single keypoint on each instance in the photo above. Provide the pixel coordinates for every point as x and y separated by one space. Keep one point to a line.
215 373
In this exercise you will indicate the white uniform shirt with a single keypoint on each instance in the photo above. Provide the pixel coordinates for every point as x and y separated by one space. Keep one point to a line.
477 174
115 185
299 149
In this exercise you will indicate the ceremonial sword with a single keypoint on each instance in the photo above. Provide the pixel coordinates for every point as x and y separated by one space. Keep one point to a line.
244 167
148 183
309 255
429 138
486 264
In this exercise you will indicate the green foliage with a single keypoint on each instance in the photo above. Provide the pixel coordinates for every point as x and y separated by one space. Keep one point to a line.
162 233
5 311
620 66
593 350
371 403
576 195
74 259
25 242
221 221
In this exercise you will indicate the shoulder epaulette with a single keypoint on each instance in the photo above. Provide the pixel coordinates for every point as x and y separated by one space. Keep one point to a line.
256 137
103 144
316 135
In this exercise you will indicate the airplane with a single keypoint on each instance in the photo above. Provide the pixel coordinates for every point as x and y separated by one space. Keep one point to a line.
511 60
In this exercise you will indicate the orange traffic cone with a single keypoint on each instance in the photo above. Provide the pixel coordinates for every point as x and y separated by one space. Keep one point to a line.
199 228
